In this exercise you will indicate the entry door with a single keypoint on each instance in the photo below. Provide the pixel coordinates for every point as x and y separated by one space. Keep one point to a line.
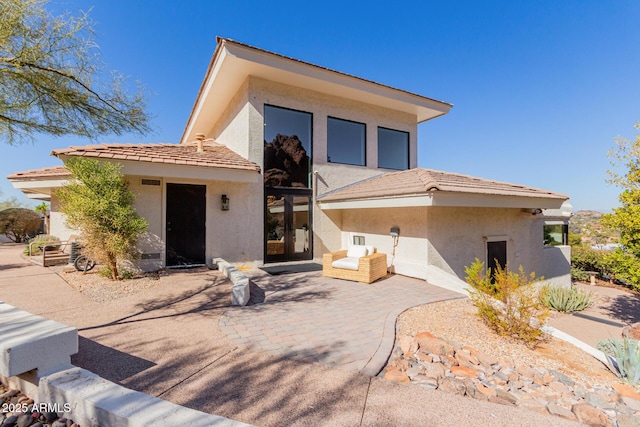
288 229
496 255
185 227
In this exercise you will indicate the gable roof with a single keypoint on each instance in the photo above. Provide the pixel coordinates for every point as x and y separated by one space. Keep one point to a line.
233 62
214 155
433 183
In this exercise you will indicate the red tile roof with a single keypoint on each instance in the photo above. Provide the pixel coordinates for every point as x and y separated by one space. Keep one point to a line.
421 181
214 155
40 174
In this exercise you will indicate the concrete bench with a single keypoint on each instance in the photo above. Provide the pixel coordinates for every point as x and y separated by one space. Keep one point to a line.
32 346
240 291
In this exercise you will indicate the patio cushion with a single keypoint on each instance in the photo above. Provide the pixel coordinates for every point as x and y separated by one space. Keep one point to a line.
357 251
347 263
370 250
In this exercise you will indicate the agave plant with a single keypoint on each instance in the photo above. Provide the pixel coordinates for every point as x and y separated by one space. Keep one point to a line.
566 299
624 358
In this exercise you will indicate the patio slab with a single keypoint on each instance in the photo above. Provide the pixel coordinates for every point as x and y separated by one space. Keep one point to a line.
334 322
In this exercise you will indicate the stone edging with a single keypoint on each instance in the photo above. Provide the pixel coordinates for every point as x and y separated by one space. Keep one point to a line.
240 292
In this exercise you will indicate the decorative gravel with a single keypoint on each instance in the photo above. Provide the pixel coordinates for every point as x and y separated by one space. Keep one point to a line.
456 320
102 289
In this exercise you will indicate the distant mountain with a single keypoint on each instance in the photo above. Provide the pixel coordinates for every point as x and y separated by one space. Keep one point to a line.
587 224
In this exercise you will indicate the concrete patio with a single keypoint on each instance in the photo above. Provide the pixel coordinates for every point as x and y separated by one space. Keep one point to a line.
168 342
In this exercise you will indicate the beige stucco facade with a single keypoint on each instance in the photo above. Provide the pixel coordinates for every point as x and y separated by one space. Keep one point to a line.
241 128
451 238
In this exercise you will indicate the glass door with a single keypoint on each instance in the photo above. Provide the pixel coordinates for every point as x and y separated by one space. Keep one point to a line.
287 226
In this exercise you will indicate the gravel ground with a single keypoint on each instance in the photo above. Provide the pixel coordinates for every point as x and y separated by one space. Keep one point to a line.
102 289
455 320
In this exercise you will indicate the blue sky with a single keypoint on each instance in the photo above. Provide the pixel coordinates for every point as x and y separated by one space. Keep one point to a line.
540 89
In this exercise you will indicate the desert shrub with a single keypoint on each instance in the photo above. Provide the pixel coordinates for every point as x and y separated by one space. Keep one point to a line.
41 241
624 358
19 223
508 302
579 275
586 259
624 267
565 299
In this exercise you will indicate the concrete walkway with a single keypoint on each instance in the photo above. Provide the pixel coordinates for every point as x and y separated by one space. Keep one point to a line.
338 323
616 308
167 342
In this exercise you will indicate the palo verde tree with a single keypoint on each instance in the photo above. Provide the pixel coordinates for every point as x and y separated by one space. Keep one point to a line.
98 202
625 157
50 79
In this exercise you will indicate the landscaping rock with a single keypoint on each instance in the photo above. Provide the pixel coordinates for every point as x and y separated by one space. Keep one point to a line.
408 344
397 376
627 420
564 379
24 420
590 415
430 344
464 372
560 411
451 385
632 331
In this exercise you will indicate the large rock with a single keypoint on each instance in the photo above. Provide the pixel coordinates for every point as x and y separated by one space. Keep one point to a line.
408 345
430 344
632 331
590 415
451 385
397 376
560 411
464 372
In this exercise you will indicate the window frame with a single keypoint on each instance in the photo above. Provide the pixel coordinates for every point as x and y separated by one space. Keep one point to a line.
408 148
364 141
565 234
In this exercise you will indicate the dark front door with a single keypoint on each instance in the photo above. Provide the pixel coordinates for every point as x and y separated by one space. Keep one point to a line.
186 215
288 225
496 255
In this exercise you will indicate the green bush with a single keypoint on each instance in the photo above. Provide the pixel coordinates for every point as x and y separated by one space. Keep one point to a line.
509 302
624 266
624 358
565 299
19 223
49 241
579 275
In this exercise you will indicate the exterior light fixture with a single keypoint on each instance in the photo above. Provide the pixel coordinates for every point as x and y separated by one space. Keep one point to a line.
395 231
225 203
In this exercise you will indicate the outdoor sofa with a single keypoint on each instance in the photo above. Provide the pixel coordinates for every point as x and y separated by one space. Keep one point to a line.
358 263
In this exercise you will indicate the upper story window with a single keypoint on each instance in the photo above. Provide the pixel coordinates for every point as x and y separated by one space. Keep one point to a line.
346 142
393 149
287 147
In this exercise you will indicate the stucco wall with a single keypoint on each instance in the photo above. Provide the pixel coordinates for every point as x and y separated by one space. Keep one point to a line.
148 204
409 257
57 226
329 176
232 127
451 238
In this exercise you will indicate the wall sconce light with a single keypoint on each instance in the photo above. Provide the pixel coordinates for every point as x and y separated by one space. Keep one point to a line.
395 231
225 202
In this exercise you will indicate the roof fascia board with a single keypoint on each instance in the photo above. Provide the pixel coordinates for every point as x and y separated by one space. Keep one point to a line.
446 200
167 170
319 73
214 68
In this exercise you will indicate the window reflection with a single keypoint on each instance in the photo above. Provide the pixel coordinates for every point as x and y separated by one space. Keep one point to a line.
346 142
393 149
287 147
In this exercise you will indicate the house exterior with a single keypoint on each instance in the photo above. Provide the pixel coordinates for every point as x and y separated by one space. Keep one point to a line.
282 160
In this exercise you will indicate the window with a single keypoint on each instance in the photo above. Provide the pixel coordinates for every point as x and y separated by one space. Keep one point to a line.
393 149
287 147
358 240
346 142
556 234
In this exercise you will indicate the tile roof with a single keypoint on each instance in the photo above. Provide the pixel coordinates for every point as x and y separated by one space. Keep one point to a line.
39 174
421 181
214 155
